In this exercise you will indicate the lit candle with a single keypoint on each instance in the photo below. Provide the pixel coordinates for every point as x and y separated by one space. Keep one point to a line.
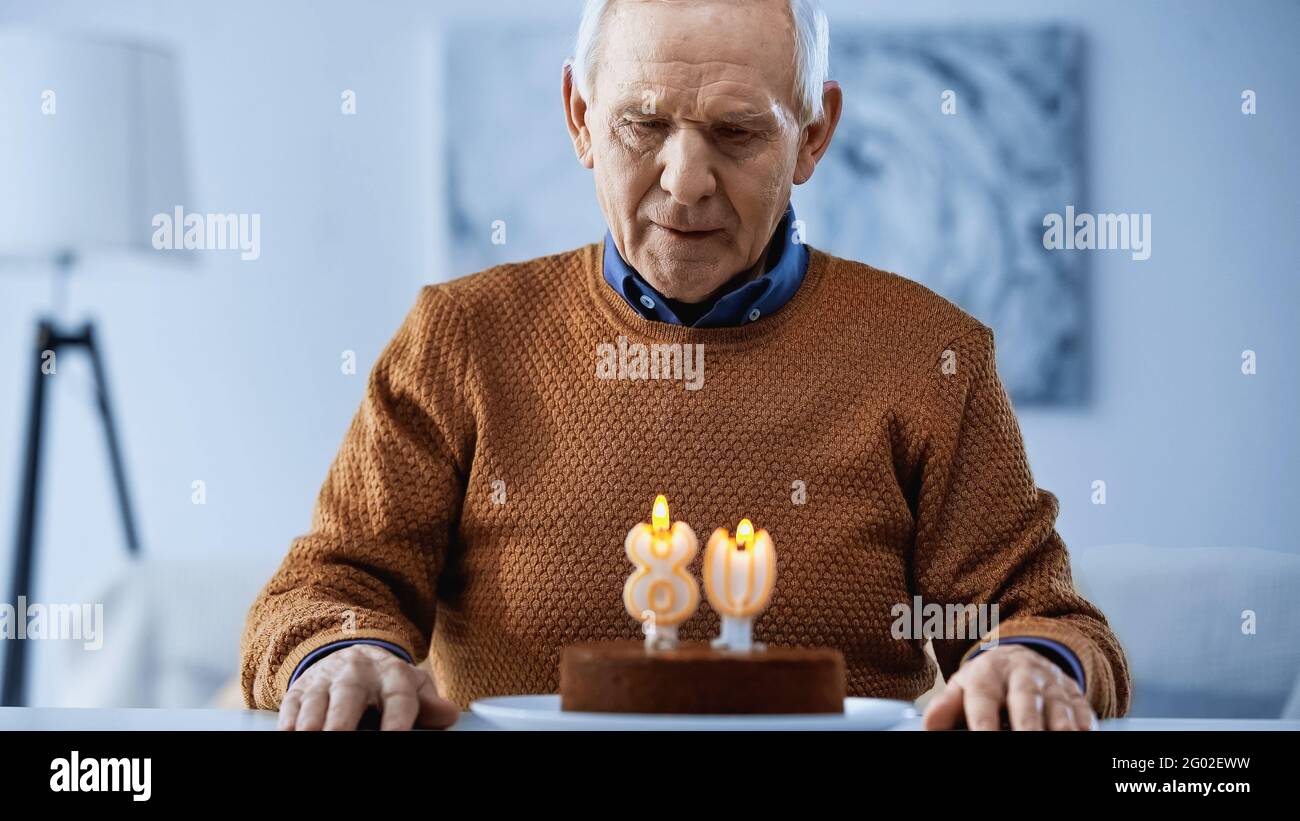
660 593
739 575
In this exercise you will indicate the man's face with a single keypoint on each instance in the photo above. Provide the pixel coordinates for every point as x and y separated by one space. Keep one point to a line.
694 136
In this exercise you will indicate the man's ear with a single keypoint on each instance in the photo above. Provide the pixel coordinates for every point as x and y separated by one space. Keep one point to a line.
817 137
575 117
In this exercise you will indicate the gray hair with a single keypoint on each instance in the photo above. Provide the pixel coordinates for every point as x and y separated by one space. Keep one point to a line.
811 44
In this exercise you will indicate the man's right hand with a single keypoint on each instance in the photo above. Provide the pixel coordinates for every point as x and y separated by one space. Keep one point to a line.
335 692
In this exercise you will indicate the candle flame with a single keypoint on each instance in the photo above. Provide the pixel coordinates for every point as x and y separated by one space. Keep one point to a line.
745 534
659 517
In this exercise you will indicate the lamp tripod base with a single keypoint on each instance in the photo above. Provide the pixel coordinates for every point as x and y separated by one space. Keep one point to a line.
50 340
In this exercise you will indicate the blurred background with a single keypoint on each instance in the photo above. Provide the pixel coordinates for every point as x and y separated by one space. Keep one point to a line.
228 376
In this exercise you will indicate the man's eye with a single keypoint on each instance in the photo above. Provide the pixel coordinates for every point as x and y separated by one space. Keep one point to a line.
733 134
646 126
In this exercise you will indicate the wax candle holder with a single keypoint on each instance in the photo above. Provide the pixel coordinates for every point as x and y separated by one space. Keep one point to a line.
660 593
739 575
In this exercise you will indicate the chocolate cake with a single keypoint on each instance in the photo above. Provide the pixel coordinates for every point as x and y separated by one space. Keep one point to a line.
695 678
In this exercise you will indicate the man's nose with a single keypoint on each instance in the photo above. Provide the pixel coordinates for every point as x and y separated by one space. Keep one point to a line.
688 173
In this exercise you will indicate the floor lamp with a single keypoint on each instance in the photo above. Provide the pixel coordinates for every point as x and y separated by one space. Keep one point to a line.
90 150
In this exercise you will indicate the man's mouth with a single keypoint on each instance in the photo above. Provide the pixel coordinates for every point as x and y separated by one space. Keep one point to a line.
687 232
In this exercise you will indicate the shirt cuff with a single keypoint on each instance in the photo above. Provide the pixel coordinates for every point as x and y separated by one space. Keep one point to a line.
1054 650
320 652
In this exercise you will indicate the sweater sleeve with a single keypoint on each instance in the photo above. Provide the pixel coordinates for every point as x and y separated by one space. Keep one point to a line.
368 567
985 534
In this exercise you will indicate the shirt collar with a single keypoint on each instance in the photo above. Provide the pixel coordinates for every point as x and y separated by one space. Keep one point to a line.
746 302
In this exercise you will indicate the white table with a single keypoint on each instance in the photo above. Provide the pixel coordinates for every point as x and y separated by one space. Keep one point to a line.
48 718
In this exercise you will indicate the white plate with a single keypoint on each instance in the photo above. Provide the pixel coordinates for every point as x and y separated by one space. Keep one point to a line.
544 713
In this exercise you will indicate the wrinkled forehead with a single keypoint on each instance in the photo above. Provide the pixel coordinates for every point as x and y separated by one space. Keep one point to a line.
698 60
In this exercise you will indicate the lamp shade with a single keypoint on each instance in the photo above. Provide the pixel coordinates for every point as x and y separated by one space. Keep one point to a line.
91 143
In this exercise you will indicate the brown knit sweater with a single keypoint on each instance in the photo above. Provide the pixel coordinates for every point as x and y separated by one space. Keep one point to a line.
477 508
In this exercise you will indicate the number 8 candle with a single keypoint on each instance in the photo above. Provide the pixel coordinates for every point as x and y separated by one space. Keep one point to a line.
660 593
738 578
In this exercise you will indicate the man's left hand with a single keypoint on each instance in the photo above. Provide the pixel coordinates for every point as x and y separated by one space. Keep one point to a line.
1035 693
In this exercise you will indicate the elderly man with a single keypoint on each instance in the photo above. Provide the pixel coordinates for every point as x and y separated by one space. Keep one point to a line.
476 509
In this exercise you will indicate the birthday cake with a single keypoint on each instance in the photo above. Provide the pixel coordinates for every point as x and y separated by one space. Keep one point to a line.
733 674
693 677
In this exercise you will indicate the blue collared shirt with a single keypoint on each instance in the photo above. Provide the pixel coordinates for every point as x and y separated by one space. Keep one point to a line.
741 301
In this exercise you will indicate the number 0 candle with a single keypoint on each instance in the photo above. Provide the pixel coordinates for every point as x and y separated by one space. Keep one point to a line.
739 575
660 593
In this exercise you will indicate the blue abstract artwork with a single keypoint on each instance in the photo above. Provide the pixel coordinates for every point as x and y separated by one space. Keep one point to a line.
953 146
